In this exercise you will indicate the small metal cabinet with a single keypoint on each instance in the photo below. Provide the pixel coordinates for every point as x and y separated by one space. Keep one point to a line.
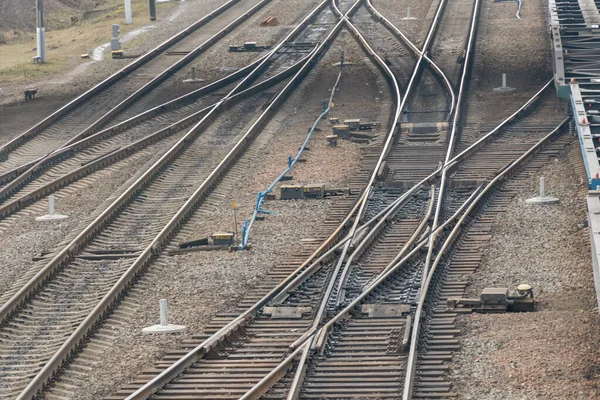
291 192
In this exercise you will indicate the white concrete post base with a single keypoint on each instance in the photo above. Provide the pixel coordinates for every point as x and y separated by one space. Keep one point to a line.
52 215
408 17
164 326
504 89
542 200
169 328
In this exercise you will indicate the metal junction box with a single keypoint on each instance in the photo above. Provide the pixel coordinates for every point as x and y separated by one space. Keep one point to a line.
494 297
342 131
291 192
222 239
314 192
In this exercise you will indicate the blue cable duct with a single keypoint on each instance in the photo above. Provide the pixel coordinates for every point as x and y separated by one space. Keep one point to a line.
260 198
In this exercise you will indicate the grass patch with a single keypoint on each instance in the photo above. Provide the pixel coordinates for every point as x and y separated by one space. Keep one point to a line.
64 47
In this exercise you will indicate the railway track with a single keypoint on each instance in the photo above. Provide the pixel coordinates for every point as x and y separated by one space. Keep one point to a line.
240 356
244 356
75 117
128 95
360 347
107 147
109 254
234 352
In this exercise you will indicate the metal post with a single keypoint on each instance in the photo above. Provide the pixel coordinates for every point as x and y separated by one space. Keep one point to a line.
193 73
128 15
152 10
41 31
542 188
51 207
163 312
504 79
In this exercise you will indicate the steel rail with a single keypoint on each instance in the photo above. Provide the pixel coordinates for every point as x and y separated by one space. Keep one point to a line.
399 101
413 353
455 121
171 70
421 53
452 164
386 273
110 299
201 350
474 147
113 78
22 173
410 87
22 177
318 335
126 151
372 235
401 104
237 325
417 234
315 338
162 76
301 370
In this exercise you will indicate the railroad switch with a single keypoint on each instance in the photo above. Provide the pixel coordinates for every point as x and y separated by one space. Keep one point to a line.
496 300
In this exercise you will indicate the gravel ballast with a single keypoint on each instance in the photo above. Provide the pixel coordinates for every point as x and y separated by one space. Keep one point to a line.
200 284
552 353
